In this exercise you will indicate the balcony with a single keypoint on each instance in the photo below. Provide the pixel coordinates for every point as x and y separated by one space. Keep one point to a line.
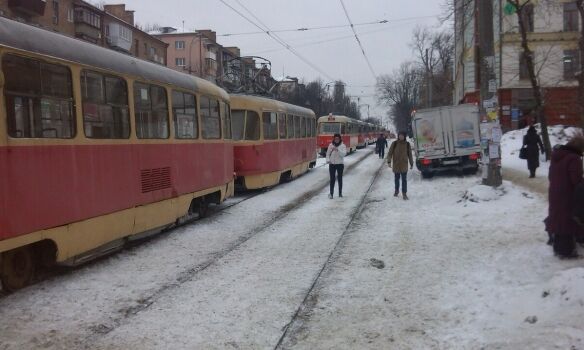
29 7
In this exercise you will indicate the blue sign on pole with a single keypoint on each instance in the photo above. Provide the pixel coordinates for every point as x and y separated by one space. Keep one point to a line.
515 114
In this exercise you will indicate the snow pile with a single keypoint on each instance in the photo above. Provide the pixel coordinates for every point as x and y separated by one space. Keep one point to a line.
482 193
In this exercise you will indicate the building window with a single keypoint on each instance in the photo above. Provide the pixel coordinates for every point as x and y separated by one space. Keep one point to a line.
39 98
151 111
523 71
125 33
180 61
184 111
226 118
270 123
571 17
571 64
105 106
527 18
88 17
55 12
210 118
71 15
179 45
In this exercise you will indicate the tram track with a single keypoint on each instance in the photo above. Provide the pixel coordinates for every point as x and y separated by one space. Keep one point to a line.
310 298
125 314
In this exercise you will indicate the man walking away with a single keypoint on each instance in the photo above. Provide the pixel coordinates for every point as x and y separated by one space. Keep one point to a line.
335 155
399 154
380 144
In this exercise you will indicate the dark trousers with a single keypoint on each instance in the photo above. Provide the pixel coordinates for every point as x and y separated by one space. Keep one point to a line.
336 169
381 152
404 182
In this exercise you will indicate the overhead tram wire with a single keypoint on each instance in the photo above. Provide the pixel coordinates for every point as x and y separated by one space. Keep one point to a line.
305 29
275 37
358 41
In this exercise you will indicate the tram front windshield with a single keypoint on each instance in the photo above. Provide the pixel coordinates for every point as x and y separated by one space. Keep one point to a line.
330 128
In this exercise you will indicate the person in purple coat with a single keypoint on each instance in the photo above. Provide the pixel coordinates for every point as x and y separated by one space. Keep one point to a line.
564 176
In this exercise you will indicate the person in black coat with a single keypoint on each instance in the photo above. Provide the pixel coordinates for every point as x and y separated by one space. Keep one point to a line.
380 144
533 143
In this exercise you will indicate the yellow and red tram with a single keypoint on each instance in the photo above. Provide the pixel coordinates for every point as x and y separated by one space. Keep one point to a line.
97 147
273 141
347 127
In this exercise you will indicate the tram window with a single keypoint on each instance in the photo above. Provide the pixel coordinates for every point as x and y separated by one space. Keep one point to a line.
211 118
151 111
331 128
184 113
105 106
226 120
270 124
297 132
252 126
290 126
237 124
282 125
302 127
312 128
39 98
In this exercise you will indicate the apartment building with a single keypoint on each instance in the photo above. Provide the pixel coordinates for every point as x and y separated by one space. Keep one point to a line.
553 34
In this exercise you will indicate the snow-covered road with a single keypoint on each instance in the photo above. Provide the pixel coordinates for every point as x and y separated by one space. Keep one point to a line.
290 268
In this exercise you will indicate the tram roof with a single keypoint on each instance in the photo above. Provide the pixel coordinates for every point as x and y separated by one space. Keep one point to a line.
25 37
338 118
266 104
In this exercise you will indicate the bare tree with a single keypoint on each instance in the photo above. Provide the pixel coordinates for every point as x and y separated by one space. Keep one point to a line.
521 10
435 56
400 91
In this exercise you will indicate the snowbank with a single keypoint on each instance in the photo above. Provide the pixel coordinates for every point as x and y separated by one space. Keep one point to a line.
513 140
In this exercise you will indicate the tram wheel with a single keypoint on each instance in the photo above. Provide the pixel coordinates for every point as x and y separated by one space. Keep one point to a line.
17 269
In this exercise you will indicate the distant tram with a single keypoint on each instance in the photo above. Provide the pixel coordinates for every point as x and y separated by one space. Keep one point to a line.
355 133
97 148
273 141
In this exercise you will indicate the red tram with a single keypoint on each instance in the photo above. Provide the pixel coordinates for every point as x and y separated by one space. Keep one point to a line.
98 147
337 124
273 141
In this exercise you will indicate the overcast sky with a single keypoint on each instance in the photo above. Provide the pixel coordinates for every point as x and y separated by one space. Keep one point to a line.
333 51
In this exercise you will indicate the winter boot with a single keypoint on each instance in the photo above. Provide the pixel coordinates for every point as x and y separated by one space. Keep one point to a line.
405 197
330 196
396 194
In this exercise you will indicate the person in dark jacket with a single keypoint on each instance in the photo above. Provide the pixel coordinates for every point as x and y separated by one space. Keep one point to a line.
579 210
380 145
533 143
565 175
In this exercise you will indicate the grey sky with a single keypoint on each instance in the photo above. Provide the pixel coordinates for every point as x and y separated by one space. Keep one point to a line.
385 44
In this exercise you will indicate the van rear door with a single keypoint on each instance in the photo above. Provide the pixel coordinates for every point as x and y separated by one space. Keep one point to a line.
429 133
464 126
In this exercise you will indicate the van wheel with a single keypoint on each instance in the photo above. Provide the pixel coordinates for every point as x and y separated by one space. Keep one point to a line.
17 269
427 174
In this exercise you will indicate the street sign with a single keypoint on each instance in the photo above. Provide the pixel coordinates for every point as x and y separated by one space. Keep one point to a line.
515 114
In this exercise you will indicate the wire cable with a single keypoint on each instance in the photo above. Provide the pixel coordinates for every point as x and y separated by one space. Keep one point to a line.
274 36
358 41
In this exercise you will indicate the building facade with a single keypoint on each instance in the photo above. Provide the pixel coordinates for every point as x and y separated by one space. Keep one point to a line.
112 27
553 33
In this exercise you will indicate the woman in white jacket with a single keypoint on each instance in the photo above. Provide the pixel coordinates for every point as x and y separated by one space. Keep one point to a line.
334 157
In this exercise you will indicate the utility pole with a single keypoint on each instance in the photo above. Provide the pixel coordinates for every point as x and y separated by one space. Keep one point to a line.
488 89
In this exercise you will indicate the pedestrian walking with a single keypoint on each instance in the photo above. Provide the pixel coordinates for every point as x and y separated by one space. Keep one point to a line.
532 143
565 176
400 153
335 155
380 145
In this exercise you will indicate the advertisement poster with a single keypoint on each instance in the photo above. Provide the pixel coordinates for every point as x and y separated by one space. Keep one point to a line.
429 134
494 151
465 133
